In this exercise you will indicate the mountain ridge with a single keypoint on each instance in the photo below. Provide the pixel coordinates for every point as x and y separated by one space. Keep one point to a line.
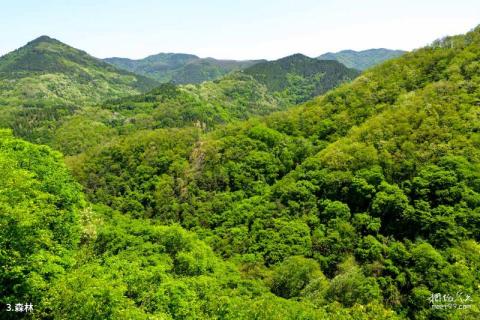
362 59
47 68
310 76
180 68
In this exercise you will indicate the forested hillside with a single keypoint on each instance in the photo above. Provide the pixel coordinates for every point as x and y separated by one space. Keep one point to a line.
376 181
361 60
198 202
299 78
237 96
71 260
71 125
168 106
48 71
46 81
180 68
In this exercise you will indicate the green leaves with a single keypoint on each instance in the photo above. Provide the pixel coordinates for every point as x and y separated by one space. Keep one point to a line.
39 219
297 276
364 199
351 286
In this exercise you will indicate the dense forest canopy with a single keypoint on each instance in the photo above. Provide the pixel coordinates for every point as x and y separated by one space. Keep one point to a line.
222 201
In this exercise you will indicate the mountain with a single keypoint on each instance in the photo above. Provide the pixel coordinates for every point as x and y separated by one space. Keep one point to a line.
180 68
257 91
299 78
206 106
362 60
361 203
159 63
235 96
46 69
364 199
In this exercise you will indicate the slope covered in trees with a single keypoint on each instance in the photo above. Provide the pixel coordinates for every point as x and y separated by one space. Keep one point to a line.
46 81
299 78
46 70
233 97
40 207
361 60
68 259
237 96
376 183
99 102
259 90
205 106
363 203
180 68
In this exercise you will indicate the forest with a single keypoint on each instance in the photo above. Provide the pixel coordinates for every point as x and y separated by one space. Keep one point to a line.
289 189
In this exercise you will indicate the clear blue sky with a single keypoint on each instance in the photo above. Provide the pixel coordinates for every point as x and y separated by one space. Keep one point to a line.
233 29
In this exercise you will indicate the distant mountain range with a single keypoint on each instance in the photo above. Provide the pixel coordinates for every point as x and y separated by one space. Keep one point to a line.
46 81
180 68
362 60
47 69
260 89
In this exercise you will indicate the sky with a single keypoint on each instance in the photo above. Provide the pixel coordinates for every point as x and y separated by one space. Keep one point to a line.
248 29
